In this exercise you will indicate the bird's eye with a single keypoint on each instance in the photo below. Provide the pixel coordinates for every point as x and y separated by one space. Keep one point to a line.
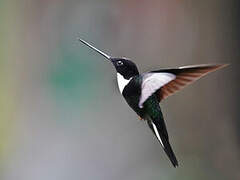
119 63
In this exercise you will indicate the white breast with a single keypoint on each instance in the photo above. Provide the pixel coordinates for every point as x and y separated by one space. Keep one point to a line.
122 82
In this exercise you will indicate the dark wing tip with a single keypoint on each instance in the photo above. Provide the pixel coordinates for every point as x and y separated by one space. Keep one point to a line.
219 66
212 68
205 66
222 65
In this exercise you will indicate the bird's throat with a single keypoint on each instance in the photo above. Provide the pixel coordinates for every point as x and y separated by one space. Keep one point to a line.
122 82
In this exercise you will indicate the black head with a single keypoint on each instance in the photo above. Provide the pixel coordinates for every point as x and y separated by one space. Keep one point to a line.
123 66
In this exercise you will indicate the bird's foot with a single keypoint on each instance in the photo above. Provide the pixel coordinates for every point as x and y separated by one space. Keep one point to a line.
140 118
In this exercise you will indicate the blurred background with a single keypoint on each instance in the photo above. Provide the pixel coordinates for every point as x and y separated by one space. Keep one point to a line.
61 113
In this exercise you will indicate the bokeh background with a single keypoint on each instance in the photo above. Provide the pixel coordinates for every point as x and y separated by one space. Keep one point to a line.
62 116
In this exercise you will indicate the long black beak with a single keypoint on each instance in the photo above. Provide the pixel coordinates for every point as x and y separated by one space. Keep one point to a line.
92 47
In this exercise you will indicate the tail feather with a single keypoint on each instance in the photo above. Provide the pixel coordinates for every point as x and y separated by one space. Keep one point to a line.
160 131
168 150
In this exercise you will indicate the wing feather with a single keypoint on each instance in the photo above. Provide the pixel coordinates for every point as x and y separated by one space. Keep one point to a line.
184 76
166 82
152 82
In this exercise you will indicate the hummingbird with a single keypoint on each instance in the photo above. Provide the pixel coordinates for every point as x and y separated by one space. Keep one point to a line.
144 92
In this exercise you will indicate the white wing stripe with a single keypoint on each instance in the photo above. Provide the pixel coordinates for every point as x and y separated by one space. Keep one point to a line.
152 82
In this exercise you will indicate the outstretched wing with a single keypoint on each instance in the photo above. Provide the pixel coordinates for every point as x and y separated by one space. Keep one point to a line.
166 82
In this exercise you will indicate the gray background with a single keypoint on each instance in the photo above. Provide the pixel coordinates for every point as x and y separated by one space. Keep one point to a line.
62 116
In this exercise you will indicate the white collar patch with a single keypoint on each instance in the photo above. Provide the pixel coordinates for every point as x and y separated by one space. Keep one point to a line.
122 82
